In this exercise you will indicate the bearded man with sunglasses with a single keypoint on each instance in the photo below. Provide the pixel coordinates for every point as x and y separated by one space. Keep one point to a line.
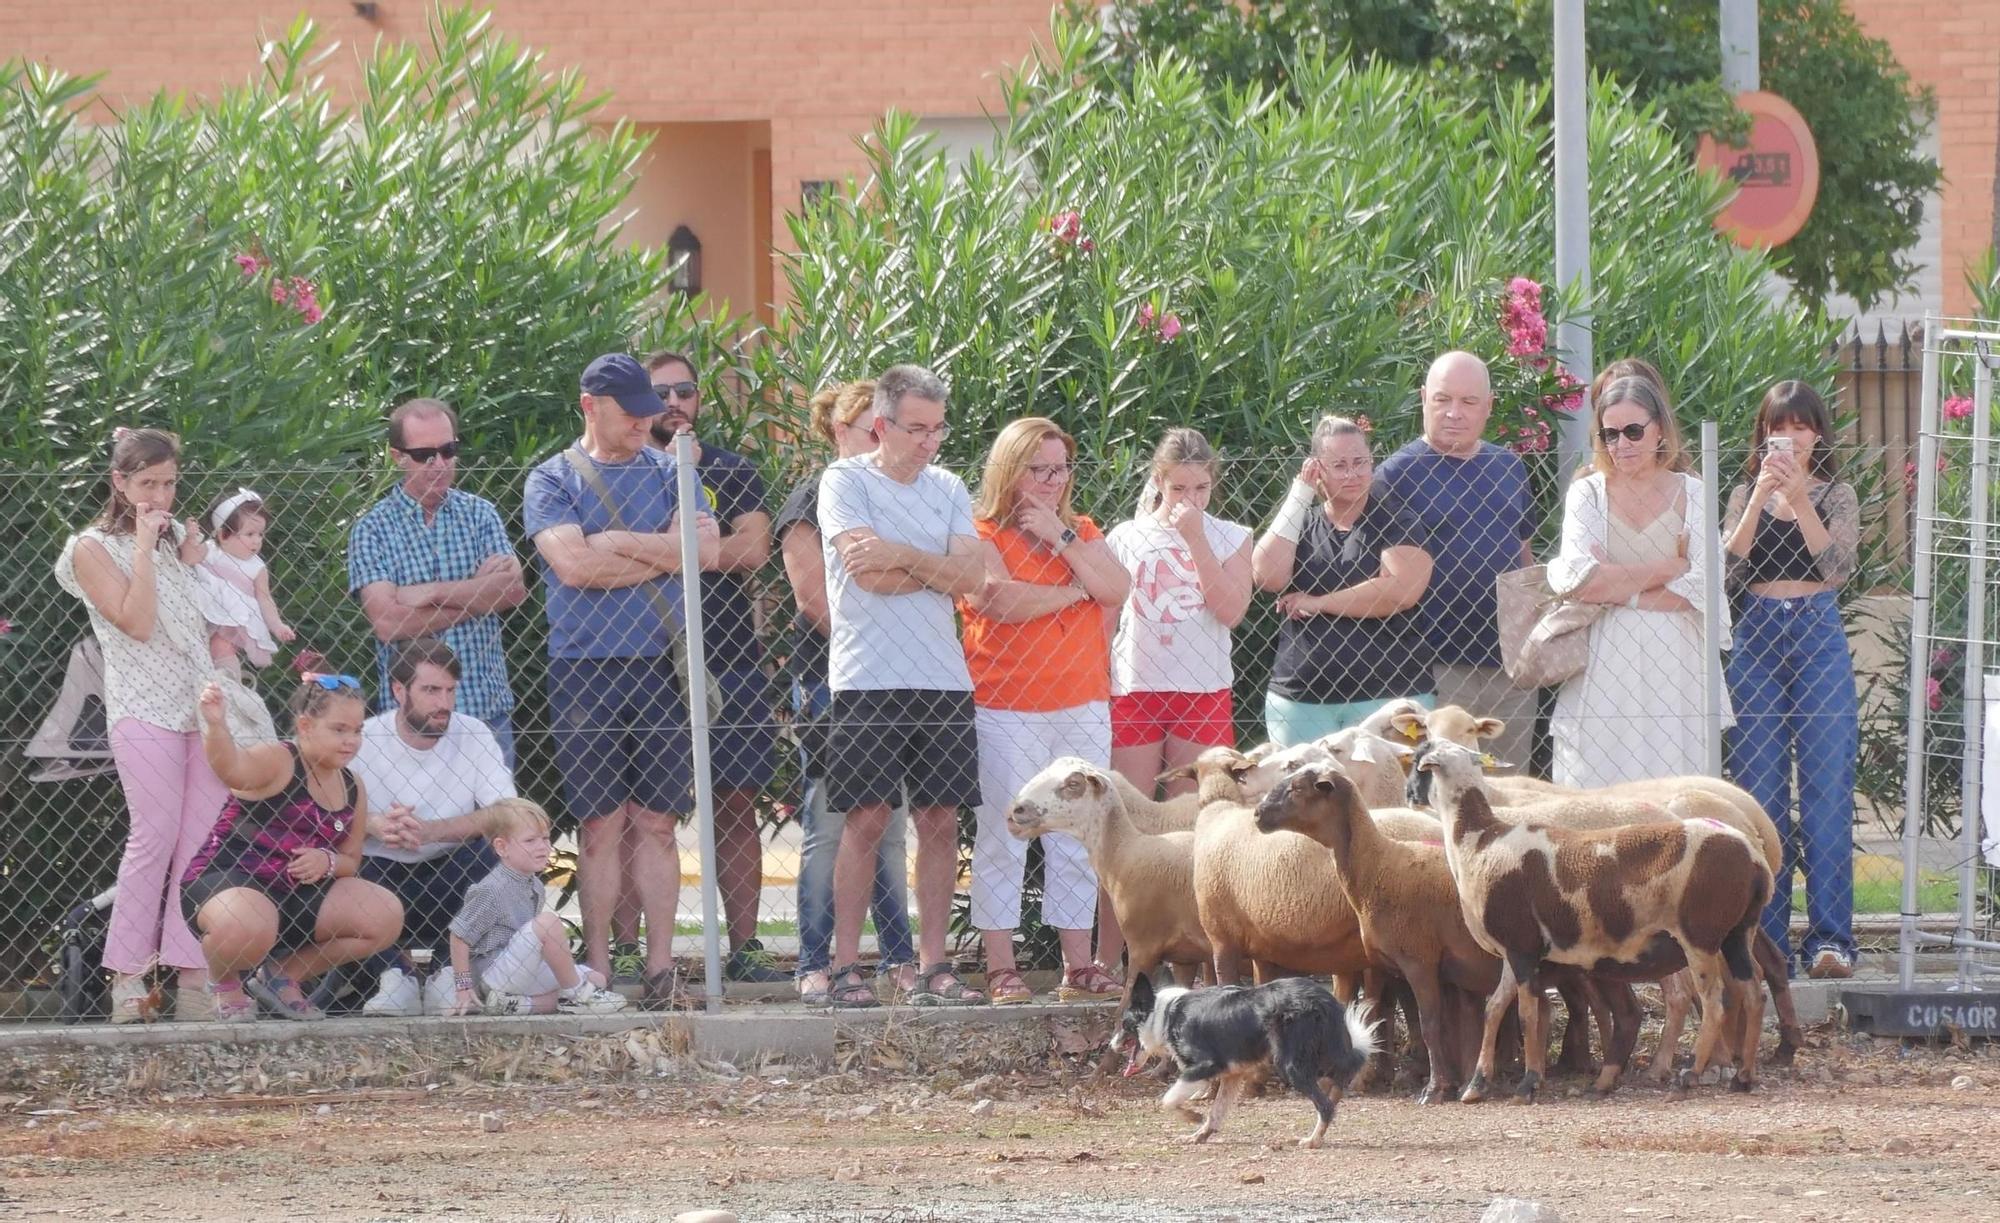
431 560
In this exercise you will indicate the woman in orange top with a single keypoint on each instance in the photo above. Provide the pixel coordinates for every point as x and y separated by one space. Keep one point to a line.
1037 645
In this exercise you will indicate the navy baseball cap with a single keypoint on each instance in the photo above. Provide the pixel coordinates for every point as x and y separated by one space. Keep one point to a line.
625 380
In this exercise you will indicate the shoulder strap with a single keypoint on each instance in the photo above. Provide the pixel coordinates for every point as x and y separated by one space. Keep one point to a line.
588 473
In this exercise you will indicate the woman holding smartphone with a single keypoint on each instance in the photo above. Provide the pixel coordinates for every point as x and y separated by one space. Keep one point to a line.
1792 533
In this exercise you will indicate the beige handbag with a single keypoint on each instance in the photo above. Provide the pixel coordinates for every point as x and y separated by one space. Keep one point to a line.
1544 637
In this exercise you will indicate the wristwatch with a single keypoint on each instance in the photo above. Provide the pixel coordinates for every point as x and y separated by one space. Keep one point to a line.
1067 538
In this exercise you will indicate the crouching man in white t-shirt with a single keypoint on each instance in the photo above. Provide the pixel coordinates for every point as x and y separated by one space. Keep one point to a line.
431 773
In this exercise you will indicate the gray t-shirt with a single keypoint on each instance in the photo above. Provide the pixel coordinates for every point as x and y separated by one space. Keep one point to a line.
495 909
892 641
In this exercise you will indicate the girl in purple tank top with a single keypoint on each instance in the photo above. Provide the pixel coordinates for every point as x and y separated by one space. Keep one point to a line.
273 892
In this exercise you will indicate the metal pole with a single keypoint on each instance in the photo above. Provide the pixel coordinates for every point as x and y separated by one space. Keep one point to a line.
688 486
1975 659
1740 68
1573 339
1920 647
1711 612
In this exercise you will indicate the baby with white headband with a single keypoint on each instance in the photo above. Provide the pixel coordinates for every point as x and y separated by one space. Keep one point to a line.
236 597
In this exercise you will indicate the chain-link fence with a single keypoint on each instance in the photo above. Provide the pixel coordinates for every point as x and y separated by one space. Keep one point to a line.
1950 848
924 680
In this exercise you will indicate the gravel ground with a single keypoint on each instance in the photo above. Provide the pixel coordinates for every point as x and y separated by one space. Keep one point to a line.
1860 1129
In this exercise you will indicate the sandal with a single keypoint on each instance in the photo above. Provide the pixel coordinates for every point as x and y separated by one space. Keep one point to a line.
898 980
1007 987
1091 983
850 991
819 996
230 1003
938 985
279 995
669 990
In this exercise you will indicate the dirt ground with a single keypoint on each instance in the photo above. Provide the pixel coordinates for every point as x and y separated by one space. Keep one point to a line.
1860 1129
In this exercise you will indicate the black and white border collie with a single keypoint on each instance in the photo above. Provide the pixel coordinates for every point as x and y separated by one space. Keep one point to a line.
1222 1036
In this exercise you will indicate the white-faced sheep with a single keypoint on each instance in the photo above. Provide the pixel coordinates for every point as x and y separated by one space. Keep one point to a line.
1149 877
1535 891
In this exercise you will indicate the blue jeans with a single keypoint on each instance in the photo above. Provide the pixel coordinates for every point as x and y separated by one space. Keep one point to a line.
502 727
823 827
1791 680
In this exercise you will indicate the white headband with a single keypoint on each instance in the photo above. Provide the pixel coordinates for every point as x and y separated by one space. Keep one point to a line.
230 504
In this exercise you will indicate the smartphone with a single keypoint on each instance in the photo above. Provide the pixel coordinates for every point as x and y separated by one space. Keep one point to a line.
1777 445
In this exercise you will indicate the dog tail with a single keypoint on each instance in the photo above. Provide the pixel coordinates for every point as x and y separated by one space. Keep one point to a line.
1347 1038
1363 1029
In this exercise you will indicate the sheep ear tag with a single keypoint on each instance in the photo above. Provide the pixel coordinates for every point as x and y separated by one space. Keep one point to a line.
1413 732
1492 763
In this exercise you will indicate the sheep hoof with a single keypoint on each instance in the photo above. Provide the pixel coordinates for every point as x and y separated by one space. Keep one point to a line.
1200 1136
1784 1053
1739 1083
1525 1093
1606 1083
1684 1082
1310 1143
1475 1091
1434 1093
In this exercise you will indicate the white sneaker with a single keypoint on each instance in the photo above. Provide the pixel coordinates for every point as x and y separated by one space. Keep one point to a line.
398 996
440 992
498 1003
589 999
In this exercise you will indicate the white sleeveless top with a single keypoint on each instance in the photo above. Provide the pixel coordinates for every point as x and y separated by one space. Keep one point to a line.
157 680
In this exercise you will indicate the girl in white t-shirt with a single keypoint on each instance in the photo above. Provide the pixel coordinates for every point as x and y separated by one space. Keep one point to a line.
1170 670
236 599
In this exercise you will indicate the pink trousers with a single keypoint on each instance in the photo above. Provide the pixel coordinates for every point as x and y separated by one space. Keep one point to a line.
173 798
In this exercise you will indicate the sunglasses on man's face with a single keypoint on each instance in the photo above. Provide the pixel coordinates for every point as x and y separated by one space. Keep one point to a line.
675 390
424 454
1630 433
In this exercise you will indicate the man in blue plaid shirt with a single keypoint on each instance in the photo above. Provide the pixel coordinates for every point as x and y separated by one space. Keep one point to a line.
430 560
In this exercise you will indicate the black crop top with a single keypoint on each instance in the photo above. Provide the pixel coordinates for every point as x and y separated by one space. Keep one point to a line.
1778 553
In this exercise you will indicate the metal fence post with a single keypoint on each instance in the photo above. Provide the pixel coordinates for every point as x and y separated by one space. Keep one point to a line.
1920 632
1975 660
1712 598
688 486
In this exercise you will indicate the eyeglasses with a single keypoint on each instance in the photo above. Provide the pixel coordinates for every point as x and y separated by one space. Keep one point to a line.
332 683
1347 467
934 433
675 390
1048 473
424 454
1630 433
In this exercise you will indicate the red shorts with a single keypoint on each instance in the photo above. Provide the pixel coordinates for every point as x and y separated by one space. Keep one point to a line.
1206 718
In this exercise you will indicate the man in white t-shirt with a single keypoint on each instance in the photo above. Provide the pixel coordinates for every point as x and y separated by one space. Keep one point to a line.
899 545
430 773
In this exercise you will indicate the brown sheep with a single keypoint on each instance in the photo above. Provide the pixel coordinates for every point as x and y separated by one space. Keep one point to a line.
1407 905
1453 724
1603 899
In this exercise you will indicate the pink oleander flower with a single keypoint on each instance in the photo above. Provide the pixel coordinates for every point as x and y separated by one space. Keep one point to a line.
305 299
1934 694
250 263
1146 316
1958 407
1942 658
1523 288
6 627
1170 327
280 295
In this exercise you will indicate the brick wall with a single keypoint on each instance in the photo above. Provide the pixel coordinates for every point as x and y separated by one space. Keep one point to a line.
1953 46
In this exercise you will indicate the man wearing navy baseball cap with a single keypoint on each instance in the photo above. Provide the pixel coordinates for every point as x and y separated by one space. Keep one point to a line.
605 523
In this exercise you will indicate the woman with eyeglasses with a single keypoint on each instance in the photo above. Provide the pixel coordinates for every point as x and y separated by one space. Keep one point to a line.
1037 645
1792 536
273 892
134 570
1633 540
844 418
1348 565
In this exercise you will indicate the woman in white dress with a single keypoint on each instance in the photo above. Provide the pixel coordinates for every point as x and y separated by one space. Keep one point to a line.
1634 539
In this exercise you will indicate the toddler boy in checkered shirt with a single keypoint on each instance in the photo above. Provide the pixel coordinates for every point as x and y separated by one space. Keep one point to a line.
505 939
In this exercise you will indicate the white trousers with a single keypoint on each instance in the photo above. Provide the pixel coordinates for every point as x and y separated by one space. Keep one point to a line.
1013 747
